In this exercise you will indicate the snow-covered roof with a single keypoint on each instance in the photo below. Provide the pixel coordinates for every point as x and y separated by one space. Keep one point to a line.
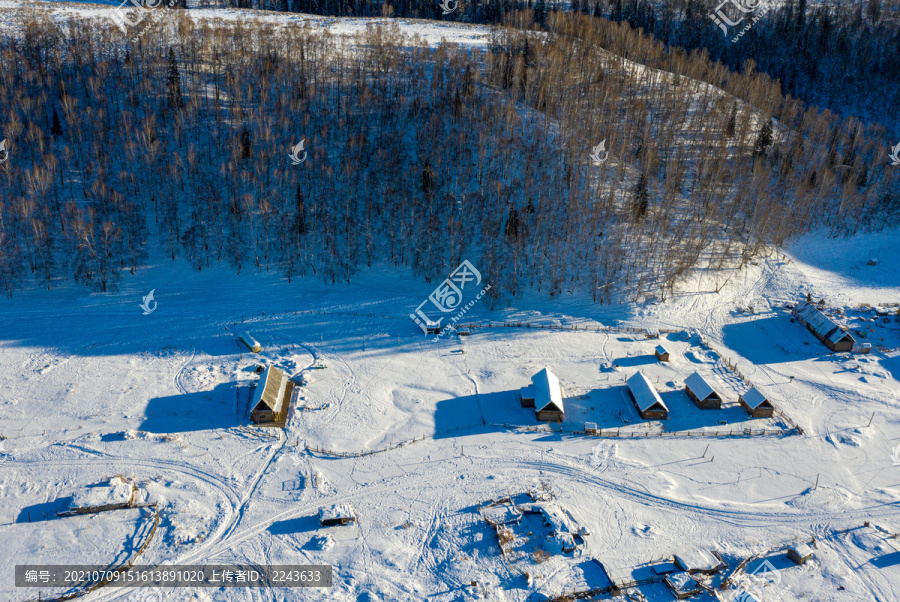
554 516
117 491
802 550
336 512
820 323
270 389
652 331
661 350
753 398
696 560
681 582
547 390
644 394
699 387
528 392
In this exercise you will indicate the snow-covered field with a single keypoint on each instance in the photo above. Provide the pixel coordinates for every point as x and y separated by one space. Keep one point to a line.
94 388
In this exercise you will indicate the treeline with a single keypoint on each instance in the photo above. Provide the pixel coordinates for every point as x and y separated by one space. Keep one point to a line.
835 55
413 156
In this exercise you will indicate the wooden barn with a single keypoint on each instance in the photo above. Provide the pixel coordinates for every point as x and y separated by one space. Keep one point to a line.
271 399
833 336
527 396
661 353
548 401
647 401
702 393
756 404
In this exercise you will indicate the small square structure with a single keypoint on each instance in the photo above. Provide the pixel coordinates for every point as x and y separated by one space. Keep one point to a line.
756 404
590 427
661 353
651 333
800 553
682 585
339 514
527 396
702 393
647 401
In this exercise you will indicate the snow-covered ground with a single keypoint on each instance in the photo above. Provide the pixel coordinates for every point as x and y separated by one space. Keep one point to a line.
93 388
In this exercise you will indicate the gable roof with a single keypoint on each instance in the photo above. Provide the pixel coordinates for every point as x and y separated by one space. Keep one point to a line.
546 391
821 324
270 389
644 393
699 387
754 399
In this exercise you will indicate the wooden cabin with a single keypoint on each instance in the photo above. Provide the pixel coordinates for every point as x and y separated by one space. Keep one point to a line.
651 333
339 514
548 400
800 553
682 585
824 328
702 393
661 353
271 399
647 401
756 404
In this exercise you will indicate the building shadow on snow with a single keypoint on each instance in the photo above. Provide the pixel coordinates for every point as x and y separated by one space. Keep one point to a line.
198 411
772 340
302 524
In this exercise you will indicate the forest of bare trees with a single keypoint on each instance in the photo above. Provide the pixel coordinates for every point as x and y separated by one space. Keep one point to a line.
416 157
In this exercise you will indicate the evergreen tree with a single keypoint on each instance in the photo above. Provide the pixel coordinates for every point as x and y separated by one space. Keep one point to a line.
731 128
512 223
300 217
56 128
641 198
246 149
764 140
173 83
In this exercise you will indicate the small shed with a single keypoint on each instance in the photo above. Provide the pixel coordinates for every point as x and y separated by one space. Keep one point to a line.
682 585
651 333
339 514
824 328
702 393
800 553
756 404
527 396
548 401
251 343
271 399
590 427
661 353
647 401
